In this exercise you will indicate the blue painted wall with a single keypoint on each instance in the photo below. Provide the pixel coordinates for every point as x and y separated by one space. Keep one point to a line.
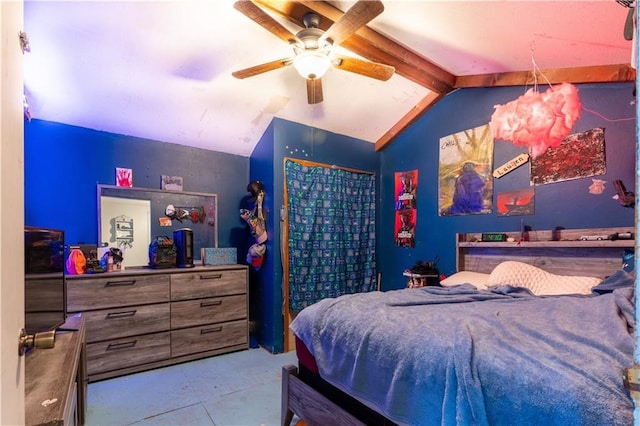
567 204
288 139
264 306
63 165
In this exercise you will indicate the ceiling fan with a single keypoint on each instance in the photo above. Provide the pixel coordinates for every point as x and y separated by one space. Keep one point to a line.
313 51
629 27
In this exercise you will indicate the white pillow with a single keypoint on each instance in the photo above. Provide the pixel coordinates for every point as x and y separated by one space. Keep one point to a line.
478 279
538 281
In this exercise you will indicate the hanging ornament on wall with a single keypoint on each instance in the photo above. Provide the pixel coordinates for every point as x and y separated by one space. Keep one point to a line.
538 120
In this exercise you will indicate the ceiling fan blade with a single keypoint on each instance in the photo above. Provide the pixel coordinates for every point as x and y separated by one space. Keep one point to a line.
263 19
628 24
367 68
357 16
259 69
314 91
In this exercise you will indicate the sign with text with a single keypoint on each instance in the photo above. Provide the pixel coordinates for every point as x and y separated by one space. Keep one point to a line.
511 165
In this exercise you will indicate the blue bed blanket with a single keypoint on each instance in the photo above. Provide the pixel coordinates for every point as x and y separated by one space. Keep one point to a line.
458 356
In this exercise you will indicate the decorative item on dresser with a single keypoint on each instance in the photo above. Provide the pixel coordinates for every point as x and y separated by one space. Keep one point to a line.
143 318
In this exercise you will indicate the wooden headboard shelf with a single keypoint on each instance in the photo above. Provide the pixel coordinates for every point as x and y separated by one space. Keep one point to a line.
559 252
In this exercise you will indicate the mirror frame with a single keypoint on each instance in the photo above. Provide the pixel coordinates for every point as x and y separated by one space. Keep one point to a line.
113 190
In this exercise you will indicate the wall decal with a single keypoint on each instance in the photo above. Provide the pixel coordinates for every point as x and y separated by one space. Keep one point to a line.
465 185
597 186
118 216
580 155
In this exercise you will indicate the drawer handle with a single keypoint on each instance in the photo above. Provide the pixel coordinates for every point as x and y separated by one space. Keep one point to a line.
211 277
211 330
213 303
119 283
113 315
118 346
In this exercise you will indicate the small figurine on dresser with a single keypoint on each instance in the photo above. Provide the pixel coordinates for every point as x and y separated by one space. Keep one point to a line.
255 218
112 260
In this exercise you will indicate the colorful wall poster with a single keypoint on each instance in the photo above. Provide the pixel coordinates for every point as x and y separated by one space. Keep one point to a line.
405 228
516 203
406 186
579 155
465 182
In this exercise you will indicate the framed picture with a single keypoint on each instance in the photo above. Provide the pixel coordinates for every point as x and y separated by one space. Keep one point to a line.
124 177
171 183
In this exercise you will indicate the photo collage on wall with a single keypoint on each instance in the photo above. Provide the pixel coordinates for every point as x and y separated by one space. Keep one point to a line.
406 185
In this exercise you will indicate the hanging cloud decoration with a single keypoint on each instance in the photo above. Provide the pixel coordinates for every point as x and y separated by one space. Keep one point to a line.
538 120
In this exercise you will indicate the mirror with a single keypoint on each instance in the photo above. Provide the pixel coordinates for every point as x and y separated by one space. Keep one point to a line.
130 218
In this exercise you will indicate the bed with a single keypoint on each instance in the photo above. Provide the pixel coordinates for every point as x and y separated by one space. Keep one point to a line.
527 332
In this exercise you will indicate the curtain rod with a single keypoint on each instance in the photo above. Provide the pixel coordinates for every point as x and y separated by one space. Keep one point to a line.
329 166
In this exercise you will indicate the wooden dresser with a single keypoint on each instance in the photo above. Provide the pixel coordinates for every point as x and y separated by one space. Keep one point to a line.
144 318
56 378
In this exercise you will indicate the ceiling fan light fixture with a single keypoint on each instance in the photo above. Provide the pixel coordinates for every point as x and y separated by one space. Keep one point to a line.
311 64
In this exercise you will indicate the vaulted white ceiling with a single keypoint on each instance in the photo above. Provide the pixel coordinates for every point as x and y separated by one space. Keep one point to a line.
162 70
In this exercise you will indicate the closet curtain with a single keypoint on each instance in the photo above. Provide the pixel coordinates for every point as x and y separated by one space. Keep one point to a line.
331 232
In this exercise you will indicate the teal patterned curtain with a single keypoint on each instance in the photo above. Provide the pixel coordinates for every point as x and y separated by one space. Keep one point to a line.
331 232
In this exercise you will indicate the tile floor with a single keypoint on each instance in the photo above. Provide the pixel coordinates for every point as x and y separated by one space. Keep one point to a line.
242 388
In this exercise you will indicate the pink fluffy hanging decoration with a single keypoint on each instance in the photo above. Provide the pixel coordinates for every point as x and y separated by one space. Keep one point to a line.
538 120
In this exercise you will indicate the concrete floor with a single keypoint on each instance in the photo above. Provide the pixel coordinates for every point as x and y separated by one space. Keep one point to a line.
242 388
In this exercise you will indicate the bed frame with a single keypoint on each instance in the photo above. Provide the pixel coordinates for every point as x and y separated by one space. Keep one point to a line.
558 251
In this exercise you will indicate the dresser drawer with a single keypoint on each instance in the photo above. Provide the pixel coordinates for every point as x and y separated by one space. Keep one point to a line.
128 352
127 321
209 337
114 291
44 295
189 313
208 284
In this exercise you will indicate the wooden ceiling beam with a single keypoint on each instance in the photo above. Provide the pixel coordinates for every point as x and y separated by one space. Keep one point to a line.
420 108
593 74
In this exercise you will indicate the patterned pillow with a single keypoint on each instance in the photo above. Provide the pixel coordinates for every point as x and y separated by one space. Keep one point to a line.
538 281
